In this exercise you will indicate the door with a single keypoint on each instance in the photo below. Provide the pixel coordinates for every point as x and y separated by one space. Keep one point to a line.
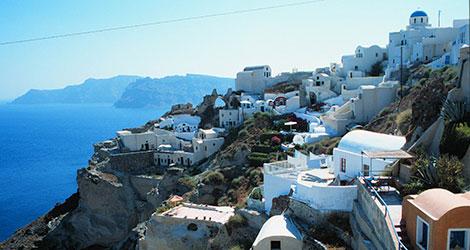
366 170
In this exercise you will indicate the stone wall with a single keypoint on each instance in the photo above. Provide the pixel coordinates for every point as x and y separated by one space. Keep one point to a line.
369 225
133 163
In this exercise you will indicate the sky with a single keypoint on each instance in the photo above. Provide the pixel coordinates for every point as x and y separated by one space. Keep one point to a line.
301 37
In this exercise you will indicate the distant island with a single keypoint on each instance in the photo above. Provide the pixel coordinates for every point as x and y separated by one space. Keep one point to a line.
154 92
90 91
131 91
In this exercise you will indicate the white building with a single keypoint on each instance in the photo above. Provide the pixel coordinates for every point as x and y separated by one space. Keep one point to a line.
369 101
318 88
363 59
283 102
230 118
278 232
167 156
253 79
462 39
206 144
181 123
350 158
419 42
137 141
187 226
309 179
322 181
172 150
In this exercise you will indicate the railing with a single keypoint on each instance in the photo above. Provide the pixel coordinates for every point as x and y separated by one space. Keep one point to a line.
401 245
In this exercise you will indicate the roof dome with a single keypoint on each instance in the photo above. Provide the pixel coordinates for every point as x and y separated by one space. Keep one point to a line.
418 13
359 140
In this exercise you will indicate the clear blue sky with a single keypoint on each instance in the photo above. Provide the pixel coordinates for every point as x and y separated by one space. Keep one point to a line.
302 37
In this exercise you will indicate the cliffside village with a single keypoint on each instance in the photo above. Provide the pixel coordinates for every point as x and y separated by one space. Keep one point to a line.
360 176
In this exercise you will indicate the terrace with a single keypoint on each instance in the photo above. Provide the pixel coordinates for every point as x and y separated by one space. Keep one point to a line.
384 194
200 212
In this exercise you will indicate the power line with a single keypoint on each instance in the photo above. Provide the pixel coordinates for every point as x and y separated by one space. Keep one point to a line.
183 19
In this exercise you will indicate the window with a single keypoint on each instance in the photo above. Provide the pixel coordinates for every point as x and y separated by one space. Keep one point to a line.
343 165
366 170
275 245
376 54
458 239
422 233
421 20
414 20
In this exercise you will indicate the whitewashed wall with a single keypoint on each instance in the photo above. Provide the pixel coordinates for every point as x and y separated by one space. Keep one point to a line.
137 141
336 198
354 164
275 186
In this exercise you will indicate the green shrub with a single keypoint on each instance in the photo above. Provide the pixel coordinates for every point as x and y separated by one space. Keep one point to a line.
403 121
456 141
213 178
238 181
163 208
237 247
255 173
257 194
257 158
243 133
236 221
264 137
188 182
262 149
413 187
445 172
450 171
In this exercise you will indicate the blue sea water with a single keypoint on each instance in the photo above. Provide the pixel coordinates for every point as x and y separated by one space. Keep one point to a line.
41 148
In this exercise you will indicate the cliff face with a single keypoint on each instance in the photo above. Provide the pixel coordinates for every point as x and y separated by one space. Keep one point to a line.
111 205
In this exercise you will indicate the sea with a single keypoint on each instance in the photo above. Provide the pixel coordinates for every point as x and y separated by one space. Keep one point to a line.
41 148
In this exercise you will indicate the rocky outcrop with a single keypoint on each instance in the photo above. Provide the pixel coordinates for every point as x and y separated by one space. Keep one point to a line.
31 236
111 205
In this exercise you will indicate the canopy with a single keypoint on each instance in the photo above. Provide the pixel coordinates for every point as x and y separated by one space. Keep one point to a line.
392 154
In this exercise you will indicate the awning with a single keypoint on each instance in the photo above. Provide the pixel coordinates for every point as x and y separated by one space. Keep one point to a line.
394 154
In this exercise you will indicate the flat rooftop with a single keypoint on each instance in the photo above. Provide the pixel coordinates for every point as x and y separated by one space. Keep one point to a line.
200 212
316 176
